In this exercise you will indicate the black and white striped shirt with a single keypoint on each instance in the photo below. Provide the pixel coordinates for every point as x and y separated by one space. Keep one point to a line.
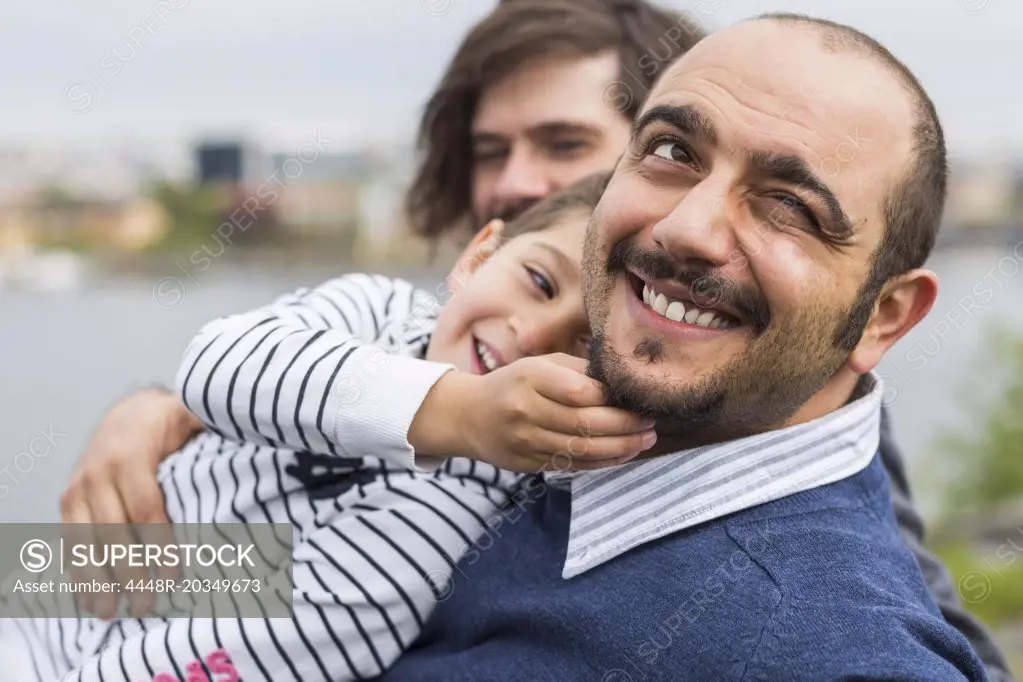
309 401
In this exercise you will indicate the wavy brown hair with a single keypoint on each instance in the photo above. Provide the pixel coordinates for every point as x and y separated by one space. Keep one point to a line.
439 200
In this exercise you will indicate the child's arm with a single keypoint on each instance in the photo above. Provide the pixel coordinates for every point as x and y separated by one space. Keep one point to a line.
325 370
530 415
365 583
311 372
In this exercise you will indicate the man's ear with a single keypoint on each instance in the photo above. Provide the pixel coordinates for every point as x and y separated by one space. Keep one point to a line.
480 250
903 302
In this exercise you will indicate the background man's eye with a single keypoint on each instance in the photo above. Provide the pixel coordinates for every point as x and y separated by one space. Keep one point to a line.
488 156
567 145
673 151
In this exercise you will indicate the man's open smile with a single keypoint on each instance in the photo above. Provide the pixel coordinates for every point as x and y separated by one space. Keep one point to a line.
670 306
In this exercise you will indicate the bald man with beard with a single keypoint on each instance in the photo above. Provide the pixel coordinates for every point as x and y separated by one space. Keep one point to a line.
742 299
517 114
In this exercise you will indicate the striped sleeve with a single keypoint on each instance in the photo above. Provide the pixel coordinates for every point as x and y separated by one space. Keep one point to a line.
333 369
366 581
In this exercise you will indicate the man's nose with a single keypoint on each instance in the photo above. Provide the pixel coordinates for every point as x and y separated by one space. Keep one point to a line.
699 230
522 178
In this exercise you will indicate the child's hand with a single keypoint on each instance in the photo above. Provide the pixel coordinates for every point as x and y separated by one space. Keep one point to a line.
536 413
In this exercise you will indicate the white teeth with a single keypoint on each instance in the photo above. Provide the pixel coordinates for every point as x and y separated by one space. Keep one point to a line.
488 360
675 312
705 319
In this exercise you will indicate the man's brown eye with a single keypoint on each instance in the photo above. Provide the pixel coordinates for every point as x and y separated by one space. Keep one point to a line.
673 151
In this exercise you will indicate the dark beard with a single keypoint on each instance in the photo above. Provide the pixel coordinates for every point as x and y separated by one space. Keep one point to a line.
677 412
784 364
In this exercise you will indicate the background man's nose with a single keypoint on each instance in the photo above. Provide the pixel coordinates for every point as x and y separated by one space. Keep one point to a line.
522 178
700 228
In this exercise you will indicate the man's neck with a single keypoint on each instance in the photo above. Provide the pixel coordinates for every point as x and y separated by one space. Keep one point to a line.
844 387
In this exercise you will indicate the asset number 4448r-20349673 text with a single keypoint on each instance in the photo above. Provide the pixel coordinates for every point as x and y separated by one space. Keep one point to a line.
196 585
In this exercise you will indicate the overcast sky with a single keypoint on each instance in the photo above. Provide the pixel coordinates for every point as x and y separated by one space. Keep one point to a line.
364 67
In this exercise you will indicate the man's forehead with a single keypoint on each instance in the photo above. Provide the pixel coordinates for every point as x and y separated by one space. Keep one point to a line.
778 84
549 90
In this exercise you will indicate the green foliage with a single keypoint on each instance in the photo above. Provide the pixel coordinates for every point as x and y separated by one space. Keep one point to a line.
194 213
55 198
986 480
990 462
990 584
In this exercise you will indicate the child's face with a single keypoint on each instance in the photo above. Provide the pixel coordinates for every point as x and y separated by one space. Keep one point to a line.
526 299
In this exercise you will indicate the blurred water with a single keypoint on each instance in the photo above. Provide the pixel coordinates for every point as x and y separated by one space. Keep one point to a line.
66 357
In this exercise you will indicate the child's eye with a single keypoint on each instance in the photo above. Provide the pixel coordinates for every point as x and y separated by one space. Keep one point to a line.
540 281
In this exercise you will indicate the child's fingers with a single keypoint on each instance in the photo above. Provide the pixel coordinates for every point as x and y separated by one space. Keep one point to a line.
590 421
571 362
539 443
591 432
566 386
594 452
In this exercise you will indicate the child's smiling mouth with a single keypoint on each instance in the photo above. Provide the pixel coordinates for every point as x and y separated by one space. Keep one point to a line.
487 358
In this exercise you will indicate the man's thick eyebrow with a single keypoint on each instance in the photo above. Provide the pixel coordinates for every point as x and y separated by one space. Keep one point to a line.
687 119
794 171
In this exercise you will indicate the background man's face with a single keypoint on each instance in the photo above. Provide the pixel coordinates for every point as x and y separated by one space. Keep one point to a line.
542 128
751 194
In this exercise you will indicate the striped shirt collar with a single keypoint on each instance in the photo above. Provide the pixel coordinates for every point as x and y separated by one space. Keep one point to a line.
617 509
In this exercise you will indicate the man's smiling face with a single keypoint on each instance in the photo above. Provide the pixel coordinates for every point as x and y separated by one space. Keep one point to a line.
729 249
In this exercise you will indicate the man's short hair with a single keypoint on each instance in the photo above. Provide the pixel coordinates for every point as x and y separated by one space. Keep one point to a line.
516 32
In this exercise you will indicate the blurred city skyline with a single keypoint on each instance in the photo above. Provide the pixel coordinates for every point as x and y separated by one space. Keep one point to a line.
163 72
112 101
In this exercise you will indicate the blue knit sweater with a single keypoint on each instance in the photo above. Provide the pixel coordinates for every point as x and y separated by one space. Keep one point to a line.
816 586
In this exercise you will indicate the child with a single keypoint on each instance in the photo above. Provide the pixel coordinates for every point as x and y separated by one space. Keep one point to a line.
358 371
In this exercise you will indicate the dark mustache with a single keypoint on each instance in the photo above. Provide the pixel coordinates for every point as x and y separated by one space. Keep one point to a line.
706 287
